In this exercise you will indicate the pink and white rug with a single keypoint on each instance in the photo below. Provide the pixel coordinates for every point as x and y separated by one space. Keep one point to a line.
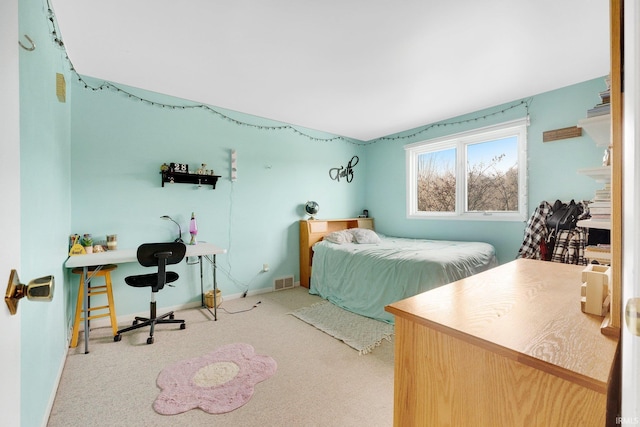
218 382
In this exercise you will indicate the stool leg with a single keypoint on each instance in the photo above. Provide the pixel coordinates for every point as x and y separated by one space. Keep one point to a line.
112 307
76 322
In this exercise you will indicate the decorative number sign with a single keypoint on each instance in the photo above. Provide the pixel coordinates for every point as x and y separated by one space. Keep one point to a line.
179 167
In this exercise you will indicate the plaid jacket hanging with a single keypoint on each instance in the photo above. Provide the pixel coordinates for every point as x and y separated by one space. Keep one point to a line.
569 247
536 232
569 244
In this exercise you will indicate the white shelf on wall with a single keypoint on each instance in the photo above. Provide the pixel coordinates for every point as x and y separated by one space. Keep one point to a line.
599 174
598 128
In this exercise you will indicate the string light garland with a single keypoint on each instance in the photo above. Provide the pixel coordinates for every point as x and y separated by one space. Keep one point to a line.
57 39
525 102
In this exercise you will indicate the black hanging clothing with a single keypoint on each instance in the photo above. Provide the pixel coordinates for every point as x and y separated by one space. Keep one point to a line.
569 244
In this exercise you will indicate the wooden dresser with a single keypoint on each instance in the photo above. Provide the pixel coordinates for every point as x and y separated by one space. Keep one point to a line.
509 346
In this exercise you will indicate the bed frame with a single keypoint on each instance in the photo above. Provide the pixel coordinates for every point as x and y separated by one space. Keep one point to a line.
313 230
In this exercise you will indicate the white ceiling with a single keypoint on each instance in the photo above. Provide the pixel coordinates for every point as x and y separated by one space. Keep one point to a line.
356 68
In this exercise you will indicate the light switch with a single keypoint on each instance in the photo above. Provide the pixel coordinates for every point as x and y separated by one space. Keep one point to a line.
234 165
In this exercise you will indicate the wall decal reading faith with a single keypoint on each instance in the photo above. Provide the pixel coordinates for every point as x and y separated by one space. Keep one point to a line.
342 172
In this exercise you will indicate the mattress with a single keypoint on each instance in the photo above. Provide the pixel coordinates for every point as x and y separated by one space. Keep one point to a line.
364 278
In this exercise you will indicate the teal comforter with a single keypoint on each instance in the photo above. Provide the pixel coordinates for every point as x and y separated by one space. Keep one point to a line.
364 278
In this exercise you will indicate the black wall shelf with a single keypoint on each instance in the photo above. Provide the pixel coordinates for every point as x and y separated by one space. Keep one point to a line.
189 178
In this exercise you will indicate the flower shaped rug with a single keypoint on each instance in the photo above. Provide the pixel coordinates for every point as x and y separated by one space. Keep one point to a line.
218 382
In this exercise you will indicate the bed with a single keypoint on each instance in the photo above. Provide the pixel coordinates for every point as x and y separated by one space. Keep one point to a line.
365 277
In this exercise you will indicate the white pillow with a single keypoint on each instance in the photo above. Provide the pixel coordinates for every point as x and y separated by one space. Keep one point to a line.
364 235
339 237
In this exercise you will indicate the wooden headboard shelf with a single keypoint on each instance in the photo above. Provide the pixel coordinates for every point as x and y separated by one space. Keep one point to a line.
313 230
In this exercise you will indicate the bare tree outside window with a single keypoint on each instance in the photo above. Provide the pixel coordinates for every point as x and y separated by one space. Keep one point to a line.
477 175
437 181
492 185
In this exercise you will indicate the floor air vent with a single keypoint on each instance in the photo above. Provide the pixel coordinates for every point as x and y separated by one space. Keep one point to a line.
283 283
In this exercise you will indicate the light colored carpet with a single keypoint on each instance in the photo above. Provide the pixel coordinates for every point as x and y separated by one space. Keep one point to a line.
320 382
218 382
359 332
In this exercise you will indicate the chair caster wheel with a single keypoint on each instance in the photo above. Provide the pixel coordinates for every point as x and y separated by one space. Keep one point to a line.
171 316
117 338
150 340
135 322
183 326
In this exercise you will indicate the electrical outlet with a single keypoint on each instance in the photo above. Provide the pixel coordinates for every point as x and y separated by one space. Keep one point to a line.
265 268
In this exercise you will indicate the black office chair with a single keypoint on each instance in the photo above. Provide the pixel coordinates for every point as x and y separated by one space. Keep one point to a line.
151 255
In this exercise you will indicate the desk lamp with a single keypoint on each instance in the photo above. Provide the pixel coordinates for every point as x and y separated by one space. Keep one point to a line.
179 239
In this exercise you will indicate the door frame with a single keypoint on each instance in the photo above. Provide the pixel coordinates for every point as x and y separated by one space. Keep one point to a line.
630 354
10 388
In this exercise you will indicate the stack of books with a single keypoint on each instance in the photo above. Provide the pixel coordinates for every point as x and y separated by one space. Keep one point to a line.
600 252
603 195
604 107
600 210
600 207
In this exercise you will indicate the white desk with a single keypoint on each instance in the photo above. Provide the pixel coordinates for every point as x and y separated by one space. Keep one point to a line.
130 255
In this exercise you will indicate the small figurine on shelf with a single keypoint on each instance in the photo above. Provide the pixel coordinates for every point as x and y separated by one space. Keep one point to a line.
193 229
87 243
606 159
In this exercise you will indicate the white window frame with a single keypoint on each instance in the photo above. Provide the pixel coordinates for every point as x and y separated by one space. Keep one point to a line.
459 141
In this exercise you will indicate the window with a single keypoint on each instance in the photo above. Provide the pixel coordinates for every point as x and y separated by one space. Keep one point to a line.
480 174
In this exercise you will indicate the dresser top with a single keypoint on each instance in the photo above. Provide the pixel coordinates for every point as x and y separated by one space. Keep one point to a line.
526 310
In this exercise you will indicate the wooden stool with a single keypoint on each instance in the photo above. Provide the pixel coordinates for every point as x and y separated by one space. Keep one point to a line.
105 272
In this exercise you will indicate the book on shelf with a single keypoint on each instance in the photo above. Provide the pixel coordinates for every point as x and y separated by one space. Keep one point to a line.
599 252
605 96
599 248
599 207
599 110
603 195
602 199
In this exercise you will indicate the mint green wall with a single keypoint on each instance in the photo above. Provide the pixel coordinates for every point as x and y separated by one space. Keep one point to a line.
552 169
118 145
91 165
45 219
